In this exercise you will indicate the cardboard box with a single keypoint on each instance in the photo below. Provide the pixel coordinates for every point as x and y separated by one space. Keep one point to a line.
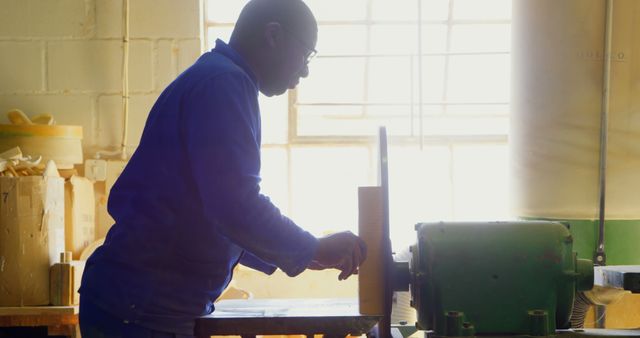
31 237
79 214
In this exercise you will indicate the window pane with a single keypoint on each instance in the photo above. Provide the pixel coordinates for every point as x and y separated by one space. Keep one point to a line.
274 172
479 78
448 125
341 40
393 10
482 10
434 38
420 189
432 78
218 32
333 10
224 10
478 109
389 80
393 39
275 119
333 80
428 112
324 186
385 10
350 121
480 187
435 9
401 39
480 38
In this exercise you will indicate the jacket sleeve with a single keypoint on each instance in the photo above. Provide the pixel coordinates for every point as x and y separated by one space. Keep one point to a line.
221 131
251 261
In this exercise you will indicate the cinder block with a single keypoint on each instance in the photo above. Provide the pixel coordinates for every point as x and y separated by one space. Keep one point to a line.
21 66
109 132
141 66
165 18
33 18
108 18
166 54
97 66
149 18
85 65
13 16
66 109
188 53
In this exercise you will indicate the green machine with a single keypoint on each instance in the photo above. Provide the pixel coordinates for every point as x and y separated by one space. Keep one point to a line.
492 279
496 278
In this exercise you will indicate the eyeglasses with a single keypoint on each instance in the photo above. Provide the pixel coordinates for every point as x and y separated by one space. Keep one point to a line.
311 52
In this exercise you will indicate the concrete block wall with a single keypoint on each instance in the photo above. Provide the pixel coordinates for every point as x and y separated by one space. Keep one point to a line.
65 57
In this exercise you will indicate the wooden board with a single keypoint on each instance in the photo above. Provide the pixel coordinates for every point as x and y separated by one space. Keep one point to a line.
285 317
32 316
38 310
370 274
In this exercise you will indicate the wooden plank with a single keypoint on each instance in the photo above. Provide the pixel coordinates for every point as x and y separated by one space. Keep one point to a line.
59 320
38 310
294 307
371 274
336 317
38 320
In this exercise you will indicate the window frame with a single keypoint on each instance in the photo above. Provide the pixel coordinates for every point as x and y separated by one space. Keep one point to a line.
416 134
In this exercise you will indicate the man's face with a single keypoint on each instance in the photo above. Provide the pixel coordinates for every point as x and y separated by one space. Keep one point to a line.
290 62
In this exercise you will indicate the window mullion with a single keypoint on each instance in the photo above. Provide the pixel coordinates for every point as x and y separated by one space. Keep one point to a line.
420 75
293 115
445 85
367 64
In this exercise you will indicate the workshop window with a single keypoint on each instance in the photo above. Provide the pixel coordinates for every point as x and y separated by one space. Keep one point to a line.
441 87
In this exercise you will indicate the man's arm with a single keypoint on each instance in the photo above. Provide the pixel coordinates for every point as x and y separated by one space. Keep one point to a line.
251 261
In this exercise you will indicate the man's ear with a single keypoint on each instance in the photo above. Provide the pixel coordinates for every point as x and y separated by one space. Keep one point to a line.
273 34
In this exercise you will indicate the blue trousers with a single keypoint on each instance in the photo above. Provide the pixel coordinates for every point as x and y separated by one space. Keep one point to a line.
97 323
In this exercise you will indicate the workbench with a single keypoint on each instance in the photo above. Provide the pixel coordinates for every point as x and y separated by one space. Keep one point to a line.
40 321
248 318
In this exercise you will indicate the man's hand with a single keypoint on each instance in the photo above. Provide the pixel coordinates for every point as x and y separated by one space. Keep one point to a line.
343 251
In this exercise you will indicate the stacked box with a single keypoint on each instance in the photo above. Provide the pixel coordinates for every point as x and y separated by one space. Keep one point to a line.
31 237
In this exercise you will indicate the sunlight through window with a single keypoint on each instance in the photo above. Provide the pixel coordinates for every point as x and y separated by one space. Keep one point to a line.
377 61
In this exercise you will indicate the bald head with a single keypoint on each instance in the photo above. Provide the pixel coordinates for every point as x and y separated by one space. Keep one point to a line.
293 15
275 37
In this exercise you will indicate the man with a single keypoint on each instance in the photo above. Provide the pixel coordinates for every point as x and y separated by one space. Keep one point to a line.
187 207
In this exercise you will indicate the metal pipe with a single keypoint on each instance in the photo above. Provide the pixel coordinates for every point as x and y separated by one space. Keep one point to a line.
600 256
367 60
420 96
125 79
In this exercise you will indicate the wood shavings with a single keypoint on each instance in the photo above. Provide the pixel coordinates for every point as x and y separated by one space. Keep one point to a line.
18 117
14 164
12 171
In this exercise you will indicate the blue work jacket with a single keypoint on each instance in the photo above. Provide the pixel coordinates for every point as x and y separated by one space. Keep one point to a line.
188 207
